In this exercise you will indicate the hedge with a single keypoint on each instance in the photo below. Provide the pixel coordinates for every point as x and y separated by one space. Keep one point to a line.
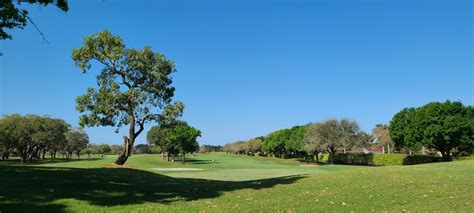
383 159
354 159
388 159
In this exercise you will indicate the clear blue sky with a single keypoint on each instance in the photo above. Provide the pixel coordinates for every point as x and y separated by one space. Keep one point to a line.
246 68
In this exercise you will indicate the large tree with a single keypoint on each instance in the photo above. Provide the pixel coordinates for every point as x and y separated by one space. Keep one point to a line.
333 134
76 141
402 131
13 17
133 86
184 136
444 127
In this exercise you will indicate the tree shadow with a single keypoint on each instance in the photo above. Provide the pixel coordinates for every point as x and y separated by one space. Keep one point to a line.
29 188
197 161
46 161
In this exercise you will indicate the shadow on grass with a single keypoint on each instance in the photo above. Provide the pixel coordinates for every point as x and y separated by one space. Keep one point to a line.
197 161
29 188
17 161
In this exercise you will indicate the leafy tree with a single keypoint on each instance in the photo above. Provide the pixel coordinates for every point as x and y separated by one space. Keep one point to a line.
295 142
76 140
275 142
9 134
105 148
184 136
133 86
157 135
12 17
254 146
51 135
333 134
143 148
445 127
402 131
382 137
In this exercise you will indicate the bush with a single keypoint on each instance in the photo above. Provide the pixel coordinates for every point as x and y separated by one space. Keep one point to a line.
383 159
354 158
419 159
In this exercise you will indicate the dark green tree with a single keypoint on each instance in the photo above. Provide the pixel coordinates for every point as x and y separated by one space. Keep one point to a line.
402 131
133 86
184 136
445 127
13 17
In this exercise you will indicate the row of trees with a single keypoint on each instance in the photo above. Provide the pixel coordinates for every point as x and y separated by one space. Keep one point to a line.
446 127
210 148
250 147
311 139
32 136
173 138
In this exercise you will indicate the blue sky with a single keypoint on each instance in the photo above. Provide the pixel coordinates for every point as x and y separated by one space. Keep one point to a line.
247 68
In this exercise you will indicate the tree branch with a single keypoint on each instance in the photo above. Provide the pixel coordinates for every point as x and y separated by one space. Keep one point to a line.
36 27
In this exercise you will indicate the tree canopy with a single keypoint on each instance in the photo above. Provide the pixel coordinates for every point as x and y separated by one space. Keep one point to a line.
333 134
13 17
445 127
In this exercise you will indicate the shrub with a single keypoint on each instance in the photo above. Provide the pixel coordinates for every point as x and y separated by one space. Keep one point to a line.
383 159
354 158
388 159
419 159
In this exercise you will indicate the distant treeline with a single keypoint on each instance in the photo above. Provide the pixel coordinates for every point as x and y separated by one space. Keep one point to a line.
439 129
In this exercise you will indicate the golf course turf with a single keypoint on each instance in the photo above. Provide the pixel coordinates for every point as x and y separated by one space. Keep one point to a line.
227 182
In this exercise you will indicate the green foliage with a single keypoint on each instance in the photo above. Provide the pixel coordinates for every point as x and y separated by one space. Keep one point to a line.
31 135
275 142
77 140
105 148
133 86
143 149
444 126
184 136
419 159
13 17
210 148
354 158
333 134
388 159
383 159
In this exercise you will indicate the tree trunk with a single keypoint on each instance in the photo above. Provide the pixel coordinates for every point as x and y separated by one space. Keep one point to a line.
44 153
162 155
388 146
127 147
446 155
383 149
184 158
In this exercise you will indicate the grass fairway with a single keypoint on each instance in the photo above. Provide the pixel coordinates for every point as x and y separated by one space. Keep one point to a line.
233 183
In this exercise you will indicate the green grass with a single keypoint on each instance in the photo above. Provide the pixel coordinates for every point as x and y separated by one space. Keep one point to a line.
233 183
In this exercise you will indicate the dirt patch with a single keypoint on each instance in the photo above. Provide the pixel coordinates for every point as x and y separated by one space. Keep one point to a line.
309 165
121 166
177 169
